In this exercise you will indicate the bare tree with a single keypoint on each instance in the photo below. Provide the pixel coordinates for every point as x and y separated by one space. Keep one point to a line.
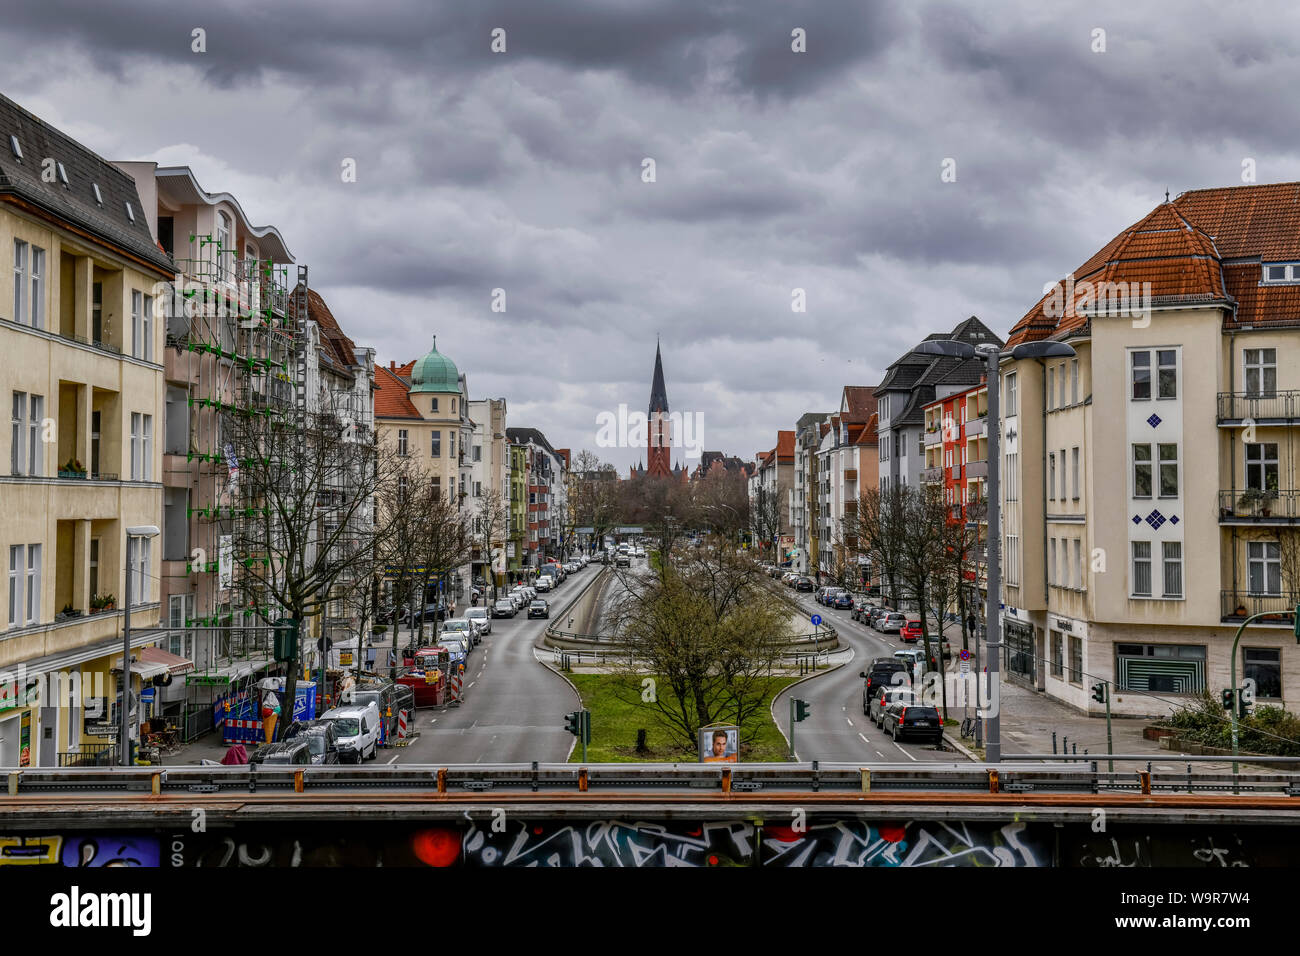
403 506
765 517
722 505
491 524
880 527
922 555
593 494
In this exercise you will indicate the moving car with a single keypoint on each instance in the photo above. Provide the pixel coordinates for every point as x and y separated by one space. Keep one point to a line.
804 583
482 619
842 601
886 696
504 608
544 583
912 720
539 608
320 738
357 728
623 560
284 753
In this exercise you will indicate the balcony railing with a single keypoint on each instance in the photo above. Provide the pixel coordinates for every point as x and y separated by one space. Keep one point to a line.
932 474
850 474
1238 605
934 437
93 343
1262 407
976 427
1264 507
977 469
90 755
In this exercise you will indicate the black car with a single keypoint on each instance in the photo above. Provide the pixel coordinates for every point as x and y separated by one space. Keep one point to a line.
282 754
390 698
912 720
881 675
803 583
539 608
320 738
882 698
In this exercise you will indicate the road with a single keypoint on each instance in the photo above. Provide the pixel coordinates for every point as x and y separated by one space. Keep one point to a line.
837 730
514 708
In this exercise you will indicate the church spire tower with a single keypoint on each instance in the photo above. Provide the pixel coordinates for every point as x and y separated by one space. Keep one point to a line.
659 439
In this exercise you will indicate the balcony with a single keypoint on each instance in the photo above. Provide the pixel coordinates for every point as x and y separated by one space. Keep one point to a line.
1237 605
850 474
976 427
931 475
850 507
977 469
1264 408
1250 507
933 437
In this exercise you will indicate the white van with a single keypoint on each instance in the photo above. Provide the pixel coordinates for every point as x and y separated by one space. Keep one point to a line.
357 728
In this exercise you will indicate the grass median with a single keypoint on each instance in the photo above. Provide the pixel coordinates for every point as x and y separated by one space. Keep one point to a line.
617 714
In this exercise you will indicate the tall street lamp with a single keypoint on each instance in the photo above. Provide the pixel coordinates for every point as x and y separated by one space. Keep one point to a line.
993 355
124 724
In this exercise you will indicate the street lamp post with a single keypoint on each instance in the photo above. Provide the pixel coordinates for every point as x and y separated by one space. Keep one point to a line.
993 606
124 715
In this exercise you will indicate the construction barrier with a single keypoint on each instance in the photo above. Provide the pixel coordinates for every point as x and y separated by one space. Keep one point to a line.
383 728
243 731
456 694
401 724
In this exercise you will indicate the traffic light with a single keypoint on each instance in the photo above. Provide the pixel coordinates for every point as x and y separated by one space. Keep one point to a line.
1227 698
586 727
1243 707
573 723
285 638
801 709
1099 692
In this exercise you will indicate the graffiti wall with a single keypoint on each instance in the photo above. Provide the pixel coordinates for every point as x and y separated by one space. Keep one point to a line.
500 841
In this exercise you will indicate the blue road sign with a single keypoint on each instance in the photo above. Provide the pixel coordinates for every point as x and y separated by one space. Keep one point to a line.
816 619
965 654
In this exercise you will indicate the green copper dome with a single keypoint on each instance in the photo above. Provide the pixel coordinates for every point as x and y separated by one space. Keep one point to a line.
435 373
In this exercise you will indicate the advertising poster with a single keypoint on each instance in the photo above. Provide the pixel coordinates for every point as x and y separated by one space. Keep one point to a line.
719 743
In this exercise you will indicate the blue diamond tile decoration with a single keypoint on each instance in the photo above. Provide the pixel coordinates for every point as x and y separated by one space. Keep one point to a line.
1154 420
1137 519
1173 519
1155 519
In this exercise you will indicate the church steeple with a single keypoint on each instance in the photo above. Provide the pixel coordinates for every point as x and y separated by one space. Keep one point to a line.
659 439
658 394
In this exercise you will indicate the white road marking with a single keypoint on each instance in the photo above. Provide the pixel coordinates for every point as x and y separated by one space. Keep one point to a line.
394 760
864 739
879 754
434 721
850 720
471 684
909 756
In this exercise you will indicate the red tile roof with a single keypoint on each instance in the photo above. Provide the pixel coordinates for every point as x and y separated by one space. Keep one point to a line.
392 396
869 435
861 402
1180 247
785 445
337 347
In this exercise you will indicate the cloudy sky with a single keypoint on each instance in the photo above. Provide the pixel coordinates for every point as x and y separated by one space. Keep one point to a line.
774 170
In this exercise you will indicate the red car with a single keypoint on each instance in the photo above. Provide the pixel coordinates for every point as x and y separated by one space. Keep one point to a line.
911 631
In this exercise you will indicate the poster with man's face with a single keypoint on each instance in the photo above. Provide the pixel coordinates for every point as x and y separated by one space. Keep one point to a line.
719 744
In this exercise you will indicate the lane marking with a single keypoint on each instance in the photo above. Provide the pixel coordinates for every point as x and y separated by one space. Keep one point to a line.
394 760
472 683
865 740
900 747
850 720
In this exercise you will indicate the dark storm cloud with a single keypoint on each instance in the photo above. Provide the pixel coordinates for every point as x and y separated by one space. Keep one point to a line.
775 170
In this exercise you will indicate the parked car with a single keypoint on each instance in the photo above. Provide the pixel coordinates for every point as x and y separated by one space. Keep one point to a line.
862 610
881 675
885 696
462 625
911 631
283 753
804 583
482 619
320 738
544 583
789 578
456 650
879 614
843 601
504 608
912 720
891 623
357 728
389 699
539 608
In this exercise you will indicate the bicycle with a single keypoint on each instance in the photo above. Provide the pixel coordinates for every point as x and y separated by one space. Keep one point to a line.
970 726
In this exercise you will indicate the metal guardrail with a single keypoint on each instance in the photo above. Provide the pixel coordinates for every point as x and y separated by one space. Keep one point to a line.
790 778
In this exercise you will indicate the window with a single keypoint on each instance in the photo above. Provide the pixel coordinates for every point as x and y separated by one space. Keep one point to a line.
1051 386
135 446
1076 660
1167 373
1261 372
1261 466
99 199
130 212
94 566
36 316
1074 381
433 404
1142 568
146 448
478 489
1264 567
1051 565
33 584
1011 572
141 326
1263 665
17 447
435 448
1011 394
1168 469
1074 471
27 451
1160 668
451 444
15 585
1173 568
1078 564
225 245
1282 273
97 313
1141 376
1066 577
401 490
478 453
20 279
1141 471
896 446
1058 654
1011 477
17 150
1062 460
453 406
180 612
401 441
1051 475
437 489
451 489
137 566
1061 383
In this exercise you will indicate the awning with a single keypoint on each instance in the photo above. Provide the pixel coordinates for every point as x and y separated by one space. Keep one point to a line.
153 661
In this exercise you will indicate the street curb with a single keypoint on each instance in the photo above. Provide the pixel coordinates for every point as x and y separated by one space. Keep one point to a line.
789 687
952 740
574 742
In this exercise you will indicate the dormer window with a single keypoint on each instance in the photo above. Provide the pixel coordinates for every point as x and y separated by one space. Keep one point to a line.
99 200
1281 272
17 150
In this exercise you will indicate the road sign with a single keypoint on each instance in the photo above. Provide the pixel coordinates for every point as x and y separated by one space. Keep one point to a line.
965 654
324 645
816 620
965 666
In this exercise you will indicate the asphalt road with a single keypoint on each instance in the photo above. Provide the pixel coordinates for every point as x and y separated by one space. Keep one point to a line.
836 730
514 707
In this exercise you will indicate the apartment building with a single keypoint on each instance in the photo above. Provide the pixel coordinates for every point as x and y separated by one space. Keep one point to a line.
771 494
804 492
544 470
1151 489
517 544
909 385
847 461
489 486
82 333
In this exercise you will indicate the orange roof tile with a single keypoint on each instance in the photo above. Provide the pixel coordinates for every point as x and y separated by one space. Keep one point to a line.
392 396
